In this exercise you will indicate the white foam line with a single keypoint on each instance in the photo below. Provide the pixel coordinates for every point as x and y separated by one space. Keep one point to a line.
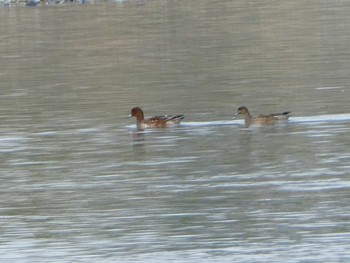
308 119
211 123
321 118
328 88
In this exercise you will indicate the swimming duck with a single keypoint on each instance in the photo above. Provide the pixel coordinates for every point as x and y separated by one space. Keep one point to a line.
268 119
154 122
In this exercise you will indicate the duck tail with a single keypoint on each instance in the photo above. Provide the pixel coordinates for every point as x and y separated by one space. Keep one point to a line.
180 116
283 116
176 118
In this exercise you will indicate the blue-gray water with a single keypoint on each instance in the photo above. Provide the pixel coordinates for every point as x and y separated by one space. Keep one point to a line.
80 184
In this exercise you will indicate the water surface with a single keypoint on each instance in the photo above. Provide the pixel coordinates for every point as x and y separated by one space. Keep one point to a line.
80 184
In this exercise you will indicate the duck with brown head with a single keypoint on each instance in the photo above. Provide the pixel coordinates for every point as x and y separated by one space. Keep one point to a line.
263 119
154 122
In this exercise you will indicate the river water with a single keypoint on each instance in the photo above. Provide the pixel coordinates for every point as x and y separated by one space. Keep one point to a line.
80 184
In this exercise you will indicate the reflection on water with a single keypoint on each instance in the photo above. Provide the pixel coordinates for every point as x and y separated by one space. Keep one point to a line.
80 184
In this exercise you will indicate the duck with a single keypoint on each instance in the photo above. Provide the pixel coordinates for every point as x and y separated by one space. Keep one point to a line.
156 121
263 119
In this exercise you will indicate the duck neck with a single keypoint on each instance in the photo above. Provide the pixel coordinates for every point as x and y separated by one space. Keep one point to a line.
139 117
139 120
247 119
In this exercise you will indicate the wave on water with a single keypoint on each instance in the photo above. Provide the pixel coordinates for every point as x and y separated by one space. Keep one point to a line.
321 118
212 123
293 120
296 120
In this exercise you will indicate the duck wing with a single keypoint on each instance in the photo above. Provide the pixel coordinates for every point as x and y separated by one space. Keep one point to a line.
167 118
281 116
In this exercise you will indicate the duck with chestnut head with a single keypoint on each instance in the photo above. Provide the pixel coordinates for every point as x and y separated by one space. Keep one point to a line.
156 121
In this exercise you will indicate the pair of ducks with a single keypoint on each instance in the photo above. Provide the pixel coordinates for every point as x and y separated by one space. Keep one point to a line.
168 121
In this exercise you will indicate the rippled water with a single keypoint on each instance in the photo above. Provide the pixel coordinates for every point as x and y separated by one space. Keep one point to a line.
80 184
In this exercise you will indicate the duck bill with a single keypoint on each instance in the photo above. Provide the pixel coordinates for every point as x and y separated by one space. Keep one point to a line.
235 116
